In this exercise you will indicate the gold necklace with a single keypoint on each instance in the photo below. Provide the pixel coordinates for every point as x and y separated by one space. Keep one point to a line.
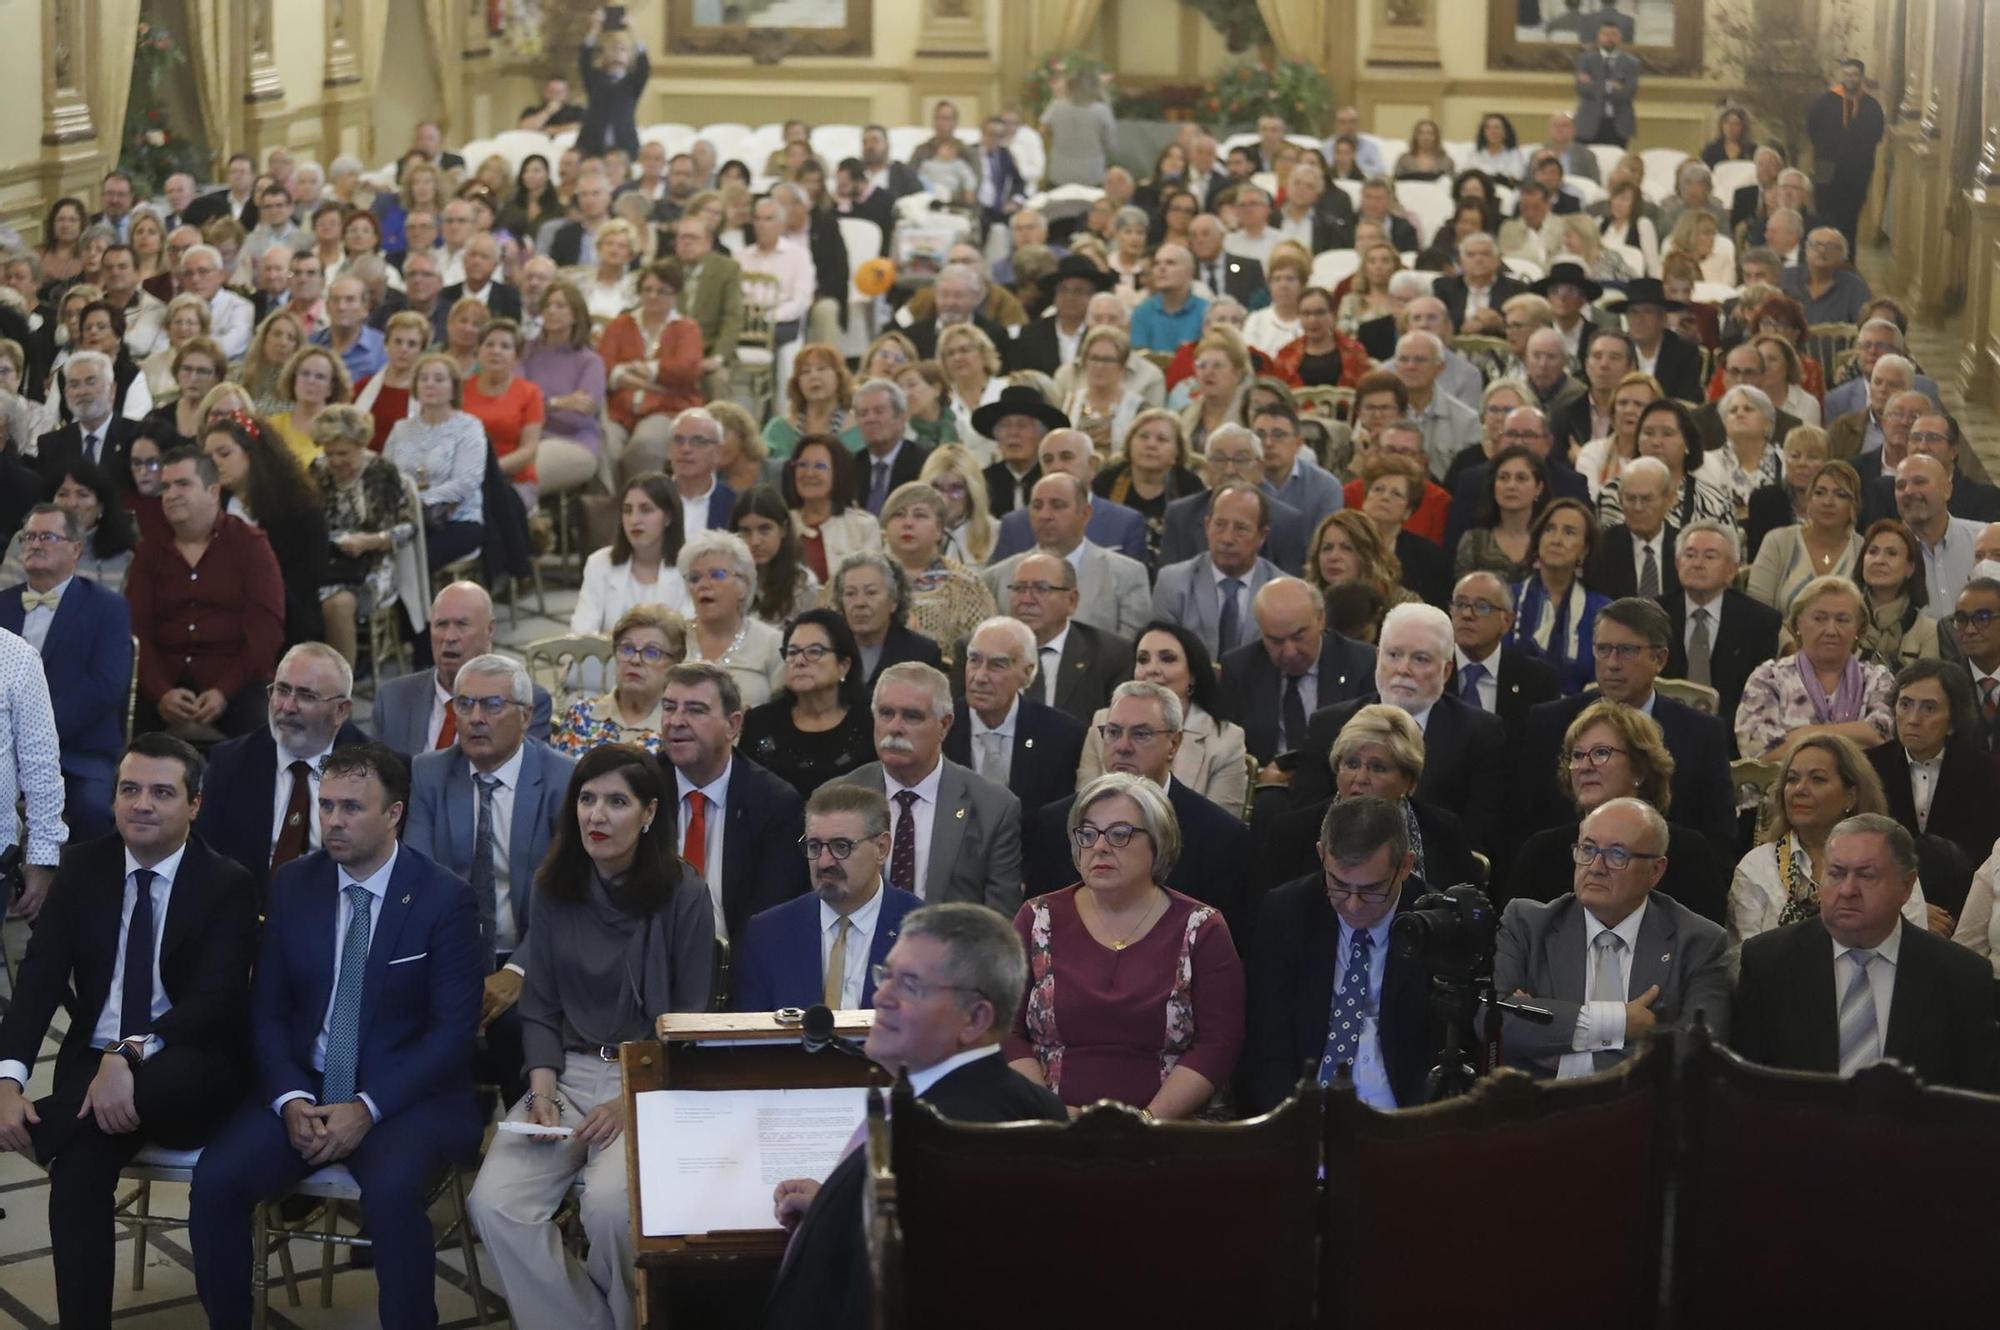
1144 923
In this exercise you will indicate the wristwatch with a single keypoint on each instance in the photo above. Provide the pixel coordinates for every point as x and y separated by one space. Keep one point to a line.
130 1052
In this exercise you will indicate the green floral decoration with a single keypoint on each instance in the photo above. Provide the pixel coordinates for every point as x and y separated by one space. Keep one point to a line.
1292 89
153 147
1239 21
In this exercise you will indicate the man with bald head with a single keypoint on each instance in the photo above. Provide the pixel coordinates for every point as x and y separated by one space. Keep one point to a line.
1547 364
1172 313
1501 680
1272 686
1112 524
1923 496
413 712
1113 592
1530 429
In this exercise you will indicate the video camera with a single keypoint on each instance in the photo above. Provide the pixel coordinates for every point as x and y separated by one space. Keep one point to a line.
1450 932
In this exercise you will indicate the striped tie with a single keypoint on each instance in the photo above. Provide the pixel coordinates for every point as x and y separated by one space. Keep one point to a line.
1858 1035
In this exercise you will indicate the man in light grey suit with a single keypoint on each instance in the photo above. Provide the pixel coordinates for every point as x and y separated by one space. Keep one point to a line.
1576 158
1112 590
1612 959
413 713
1606 81
953 835
1289 469
1112 524
1191 593
494 839
1235 454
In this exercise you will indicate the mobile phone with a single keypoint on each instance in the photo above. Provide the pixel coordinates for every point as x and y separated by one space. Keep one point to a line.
1287 761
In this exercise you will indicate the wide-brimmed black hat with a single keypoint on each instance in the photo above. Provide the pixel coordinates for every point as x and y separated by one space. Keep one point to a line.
1079 265
1018 400
1568 274
1644 291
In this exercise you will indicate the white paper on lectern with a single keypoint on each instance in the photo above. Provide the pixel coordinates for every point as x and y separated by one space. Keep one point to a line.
709 1159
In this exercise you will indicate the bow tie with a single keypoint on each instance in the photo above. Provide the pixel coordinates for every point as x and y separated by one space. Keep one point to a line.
40 600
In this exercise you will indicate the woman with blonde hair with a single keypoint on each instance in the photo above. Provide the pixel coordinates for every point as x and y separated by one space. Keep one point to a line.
464 329
970 530
818 398
419 189
1102 406
947 599
972 366
610 288
1823 688
1582 241
1824 544
277 339
314 379
388 393
225 398
147 235
1222 376
1698 234
1347 546
187 317
1626 222
742 463
1368 289
887 356
443 450
198 366
1153 469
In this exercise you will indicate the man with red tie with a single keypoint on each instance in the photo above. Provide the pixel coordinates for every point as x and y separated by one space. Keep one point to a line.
413 713
739 824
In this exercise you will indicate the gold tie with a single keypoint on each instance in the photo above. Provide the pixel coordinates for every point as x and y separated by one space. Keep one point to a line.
836 964
45 599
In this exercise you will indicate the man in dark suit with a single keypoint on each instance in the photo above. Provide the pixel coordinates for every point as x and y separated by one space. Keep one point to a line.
83 632
736 819
1002 187
1271 686
1632 639
1636 557
1463 746
1017 424
819 948
494 777
413 712
391 1095
1607 79
1000 729
1055 339
1612 958
854 196
1076 664
95 434
1856 986
1480 276
482 260
1142 733
1719 634
1938 782
242 817
943 1030
890 454
1322 943
1502 681
1975 626
1675 361
1225 274
147 939
1743 364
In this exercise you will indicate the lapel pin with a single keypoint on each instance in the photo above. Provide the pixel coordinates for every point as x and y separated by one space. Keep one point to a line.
1666 956
960 815
406 900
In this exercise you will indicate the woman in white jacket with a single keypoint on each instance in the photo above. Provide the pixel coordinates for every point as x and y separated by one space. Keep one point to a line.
818 485
637 567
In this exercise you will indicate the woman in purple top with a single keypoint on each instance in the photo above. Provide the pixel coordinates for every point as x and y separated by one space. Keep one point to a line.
571 376
1135 992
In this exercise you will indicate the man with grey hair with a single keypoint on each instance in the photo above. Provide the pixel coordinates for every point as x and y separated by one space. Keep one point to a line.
695 447
230 316
1636 556
1719 635
1474 295
1209 593
1859 432
487 808
1253 237
1236 456
1220 273
1171 314
1876 338
1315 216
960 293
1830 290
956 835
1860 983
1752 203
1460 379
1002 727
1784 236
891 454
94 434
413 712
480 265
1450 426
346 332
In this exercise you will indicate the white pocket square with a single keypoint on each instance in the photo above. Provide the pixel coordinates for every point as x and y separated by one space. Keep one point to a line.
405 960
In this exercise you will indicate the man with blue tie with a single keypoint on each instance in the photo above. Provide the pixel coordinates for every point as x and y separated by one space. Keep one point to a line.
486 809
363 1050
821 948
86 629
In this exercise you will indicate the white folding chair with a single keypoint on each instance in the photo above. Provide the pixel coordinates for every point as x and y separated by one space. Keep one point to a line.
726 137
830 143
1351 188
1524 269
1429 201
1587 191
1332 267
1607 155
903 140
1732 176
1661 163
675 138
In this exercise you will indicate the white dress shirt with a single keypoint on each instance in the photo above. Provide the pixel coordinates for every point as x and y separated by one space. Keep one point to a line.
376 885
281 796
1488 686
694 512
1923 785
1601 1025
860 942
1371 1074
1881 979
1048 660
924 810
713 826
506 928
30 754
1005 729
1478 297
35 623
922 1081
1658 545
1948 564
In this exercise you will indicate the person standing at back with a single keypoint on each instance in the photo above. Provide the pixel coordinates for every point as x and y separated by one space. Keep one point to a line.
1607 79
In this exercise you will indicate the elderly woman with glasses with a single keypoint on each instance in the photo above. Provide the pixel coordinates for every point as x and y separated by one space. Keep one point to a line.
722 580
947 599
1824 688
646 642
1824 545
817 728
367 517
187 318
1135 992
1614 752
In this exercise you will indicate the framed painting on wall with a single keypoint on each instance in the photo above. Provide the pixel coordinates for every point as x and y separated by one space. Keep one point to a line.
1546 34
752 27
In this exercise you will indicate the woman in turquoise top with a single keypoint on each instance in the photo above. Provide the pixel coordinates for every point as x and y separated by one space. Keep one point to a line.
820 394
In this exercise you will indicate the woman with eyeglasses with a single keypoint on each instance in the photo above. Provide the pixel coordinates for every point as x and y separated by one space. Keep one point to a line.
646 642
1824 688
721 578
638 566
142 496
620 929
1824 545
198 366
187 318
969 529
817 728
89 495
1135 992
818 486
1614 752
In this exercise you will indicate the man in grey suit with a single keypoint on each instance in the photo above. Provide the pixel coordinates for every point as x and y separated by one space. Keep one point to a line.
1606 81
1210 594
1112 590
413 713
1235 454
486 808
1289 469
1612 959
1576 159
1077 665
954 836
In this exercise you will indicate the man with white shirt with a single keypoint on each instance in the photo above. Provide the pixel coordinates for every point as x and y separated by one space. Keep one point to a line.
1611 958
1719 634
455 224
231 319
1475 296
1316 219
154 934
792 265
487 808
1923 491
1076 664
1784 236
1113 591
1254 236
1005 728
413 712
1636 558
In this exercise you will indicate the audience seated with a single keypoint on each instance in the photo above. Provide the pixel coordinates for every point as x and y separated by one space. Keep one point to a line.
817 727
1209 594
1111 526
1936 779
1236 455
1000 728
1720 636
1271 686
1825 687
647 641
413 712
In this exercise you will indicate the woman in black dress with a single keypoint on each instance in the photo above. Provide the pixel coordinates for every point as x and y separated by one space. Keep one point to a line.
818 727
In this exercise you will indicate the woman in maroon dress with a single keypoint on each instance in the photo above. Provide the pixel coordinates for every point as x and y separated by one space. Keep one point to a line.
1135 992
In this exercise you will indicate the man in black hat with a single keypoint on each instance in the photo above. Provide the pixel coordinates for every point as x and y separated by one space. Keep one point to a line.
1052 341
1016 424
1671 359
1570 293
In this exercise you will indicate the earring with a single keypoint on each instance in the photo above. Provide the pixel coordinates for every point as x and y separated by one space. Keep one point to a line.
645 827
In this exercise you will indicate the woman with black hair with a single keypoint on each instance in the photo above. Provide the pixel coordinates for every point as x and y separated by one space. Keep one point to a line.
818 728
265 486
620 930
1498 540
1210 758
89 495
1667 431
784 584
100 326
1497 150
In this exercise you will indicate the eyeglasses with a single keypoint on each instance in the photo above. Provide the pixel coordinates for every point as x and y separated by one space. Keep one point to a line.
1036 589
1980 619
841 847
909 986
1624 652
305 697
1138 734
1595 757
712 575
1118 835
1372 895
693 441
649 653
1615 856
1478 609
43 537
1929 436
486 706
813 654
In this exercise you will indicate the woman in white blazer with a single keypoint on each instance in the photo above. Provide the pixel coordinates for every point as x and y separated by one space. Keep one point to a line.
637 567
1979 922
818 485
1211 757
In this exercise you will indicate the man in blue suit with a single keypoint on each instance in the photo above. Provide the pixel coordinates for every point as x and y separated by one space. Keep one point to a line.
486 809
821 948
87 631
1002 732
739 824
263 787
1112 525
413 713
363 1049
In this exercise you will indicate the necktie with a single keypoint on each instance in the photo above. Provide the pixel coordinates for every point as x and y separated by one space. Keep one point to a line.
1857 1017
482 845
39 599
903 850
448 732
296 832
135 1002
1649 575
1352 1002
1468 683
993 757
343 1028
90 447
1699 646
1229 623
694 846
1047 673
836 964
1294 713
1608 985
878 488
1989 698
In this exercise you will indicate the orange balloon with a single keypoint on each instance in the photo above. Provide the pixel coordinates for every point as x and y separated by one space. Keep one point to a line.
874 277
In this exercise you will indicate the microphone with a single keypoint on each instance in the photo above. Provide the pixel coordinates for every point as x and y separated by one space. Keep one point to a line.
818 1034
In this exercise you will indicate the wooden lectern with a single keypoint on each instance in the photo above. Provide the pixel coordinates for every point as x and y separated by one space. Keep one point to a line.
723 1278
